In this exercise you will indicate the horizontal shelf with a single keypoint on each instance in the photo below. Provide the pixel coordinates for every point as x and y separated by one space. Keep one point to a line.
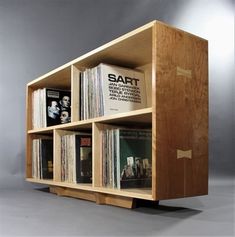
142 193
81 186
141 116
81 124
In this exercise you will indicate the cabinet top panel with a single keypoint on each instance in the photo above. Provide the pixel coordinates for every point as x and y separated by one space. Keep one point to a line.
132 50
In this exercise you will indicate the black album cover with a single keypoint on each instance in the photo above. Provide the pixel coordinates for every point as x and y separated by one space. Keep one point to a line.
58 106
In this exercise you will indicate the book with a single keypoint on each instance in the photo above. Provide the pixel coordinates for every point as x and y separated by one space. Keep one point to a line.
108 89
51 107
126 157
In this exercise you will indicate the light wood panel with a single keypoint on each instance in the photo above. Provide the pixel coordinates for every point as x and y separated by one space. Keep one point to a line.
68 192
57 154
154 118
99 198
59 78
75 93
147 69
181 109
143 193
96 154
28 160
196 169
29 109
142 116
119 201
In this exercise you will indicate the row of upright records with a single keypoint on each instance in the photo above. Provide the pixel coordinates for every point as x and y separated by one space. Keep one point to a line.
103 90
125 155
125 152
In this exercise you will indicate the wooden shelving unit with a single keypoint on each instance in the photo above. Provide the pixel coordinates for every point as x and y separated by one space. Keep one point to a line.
175 64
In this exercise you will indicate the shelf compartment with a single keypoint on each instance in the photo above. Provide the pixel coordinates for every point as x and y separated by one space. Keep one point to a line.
29 153
141 118
99 155
59 78
132 50
58 134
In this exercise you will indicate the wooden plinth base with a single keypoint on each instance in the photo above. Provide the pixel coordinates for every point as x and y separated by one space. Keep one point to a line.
99 198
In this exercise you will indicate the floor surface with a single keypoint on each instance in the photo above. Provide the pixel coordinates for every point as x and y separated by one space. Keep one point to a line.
33 212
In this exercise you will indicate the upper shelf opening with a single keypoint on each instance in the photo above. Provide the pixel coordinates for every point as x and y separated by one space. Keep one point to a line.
59 78
132 51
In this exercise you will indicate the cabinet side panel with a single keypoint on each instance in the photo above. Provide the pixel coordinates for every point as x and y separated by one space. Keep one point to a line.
57 154
181 113
28 163
29 110
196 169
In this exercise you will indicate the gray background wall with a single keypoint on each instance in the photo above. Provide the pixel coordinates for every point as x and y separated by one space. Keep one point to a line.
38 36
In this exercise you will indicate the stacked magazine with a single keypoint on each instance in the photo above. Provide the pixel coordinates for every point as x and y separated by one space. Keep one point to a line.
108 89
127 156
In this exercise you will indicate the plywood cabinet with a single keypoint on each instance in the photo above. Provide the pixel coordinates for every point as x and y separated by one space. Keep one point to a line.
175 64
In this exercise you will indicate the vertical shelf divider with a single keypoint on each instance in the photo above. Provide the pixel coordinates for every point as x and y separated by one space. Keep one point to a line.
57 154
154 117
96 155
75 93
